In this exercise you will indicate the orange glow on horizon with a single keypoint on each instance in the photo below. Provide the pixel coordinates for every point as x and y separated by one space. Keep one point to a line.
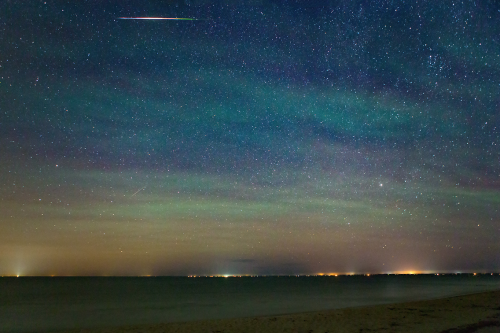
410 272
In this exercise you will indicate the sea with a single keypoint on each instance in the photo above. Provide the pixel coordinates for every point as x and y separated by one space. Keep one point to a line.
40 304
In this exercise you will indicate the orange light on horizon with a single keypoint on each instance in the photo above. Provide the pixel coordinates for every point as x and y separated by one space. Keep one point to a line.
412 272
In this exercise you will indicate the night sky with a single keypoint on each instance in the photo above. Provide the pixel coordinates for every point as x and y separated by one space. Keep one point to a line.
275 138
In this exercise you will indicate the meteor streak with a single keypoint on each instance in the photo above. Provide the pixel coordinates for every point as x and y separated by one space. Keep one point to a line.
139 190
158 18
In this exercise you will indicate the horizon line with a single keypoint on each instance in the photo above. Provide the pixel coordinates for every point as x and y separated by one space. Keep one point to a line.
268 275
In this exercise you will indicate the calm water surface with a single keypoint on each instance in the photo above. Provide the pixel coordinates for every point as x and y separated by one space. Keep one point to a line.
41 304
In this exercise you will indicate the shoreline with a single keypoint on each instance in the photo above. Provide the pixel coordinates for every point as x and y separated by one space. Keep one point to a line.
464 313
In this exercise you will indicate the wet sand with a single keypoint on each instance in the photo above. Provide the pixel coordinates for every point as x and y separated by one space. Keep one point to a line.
460 314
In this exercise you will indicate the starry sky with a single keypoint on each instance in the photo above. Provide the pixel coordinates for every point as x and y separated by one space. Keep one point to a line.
262 138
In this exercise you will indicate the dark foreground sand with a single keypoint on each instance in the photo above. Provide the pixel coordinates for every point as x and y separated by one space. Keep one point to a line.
470 313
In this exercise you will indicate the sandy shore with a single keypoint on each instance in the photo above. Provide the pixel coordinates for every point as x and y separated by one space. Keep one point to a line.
470 313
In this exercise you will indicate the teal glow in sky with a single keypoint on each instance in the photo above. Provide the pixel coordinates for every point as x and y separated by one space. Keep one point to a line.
266 140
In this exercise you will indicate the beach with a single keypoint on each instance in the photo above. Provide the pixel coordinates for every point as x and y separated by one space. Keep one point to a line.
468 313
251 304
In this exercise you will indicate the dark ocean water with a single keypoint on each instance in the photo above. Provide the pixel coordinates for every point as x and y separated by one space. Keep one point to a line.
41 304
